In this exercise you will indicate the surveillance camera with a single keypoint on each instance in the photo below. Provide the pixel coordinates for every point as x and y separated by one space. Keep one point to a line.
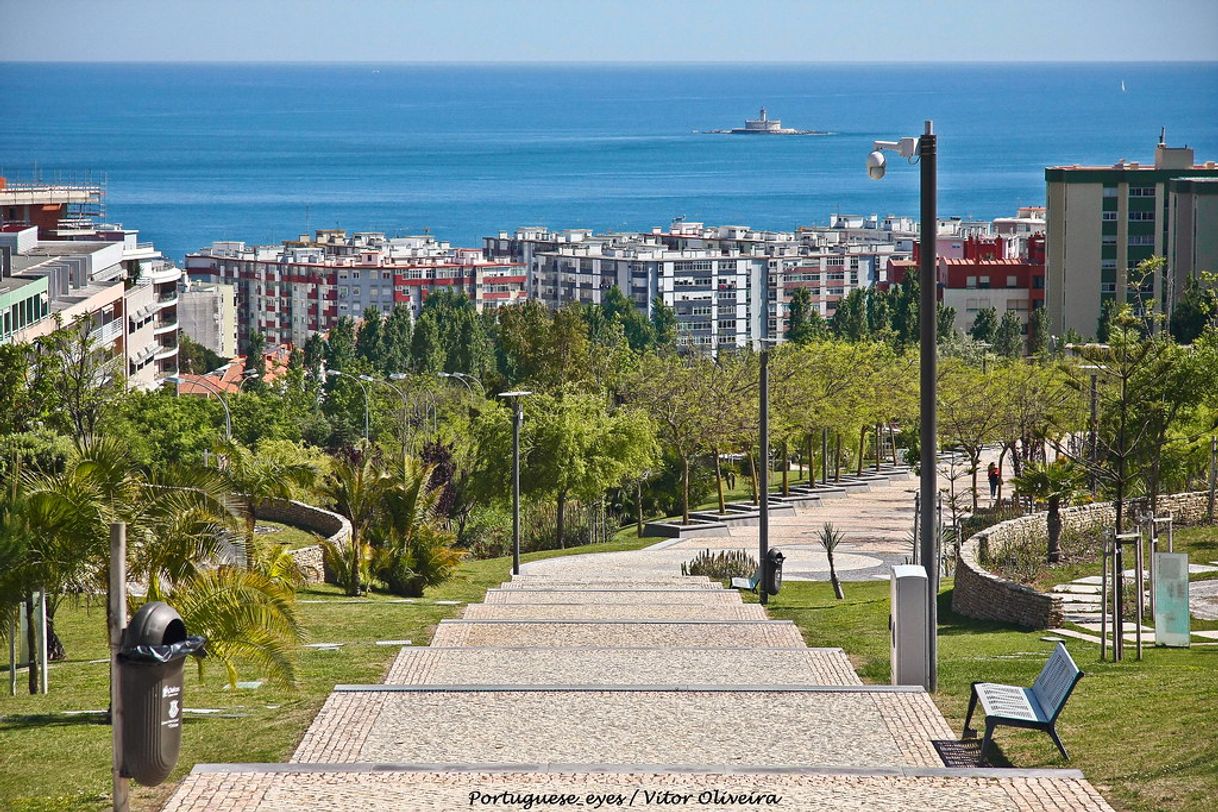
875 165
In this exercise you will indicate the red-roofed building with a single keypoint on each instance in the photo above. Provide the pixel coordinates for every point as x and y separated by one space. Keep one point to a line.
230 377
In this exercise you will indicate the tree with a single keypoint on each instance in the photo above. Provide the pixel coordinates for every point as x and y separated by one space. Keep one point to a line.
83 379
985 323
970 413
1038 331
427 356
1196 308
255 359
355 489
194 358
849 321
1052 483
370 340
340 344
1008 337
637 328
829 539
663 325
946 326
672 391
399 327
411 550
804 322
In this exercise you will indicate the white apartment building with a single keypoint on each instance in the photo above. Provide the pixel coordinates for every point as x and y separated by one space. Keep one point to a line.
288 292
208 314
123 286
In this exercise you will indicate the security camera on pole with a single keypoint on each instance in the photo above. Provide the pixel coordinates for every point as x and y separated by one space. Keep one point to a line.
923 150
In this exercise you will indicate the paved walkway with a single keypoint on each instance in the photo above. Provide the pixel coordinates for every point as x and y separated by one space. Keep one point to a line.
606 693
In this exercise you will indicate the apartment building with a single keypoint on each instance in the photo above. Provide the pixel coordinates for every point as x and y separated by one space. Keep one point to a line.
60 265
288 292
1103 220
208 314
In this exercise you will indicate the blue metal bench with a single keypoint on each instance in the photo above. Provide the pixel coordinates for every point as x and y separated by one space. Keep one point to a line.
749 583
1036 707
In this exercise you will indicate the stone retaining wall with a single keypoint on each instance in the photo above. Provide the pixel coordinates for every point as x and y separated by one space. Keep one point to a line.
983 595
326 523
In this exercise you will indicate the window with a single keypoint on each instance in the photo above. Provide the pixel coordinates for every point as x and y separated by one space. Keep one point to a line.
970 282
1109 215
1011 281
1136 216
1110 191
1108 239
1141 239
1141 191
1108 264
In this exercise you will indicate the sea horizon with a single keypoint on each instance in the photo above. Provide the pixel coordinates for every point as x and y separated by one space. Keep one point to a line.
193 152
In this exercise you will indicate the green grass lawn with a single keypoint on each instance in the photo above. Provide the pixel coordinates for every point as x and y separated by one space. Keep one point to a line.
51 762
1141 731
291 537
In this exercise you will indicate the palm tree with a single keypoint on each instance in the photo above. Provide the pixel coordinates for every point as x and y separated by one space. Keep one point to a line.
1052 483
254 477
413 551
829 539
355 487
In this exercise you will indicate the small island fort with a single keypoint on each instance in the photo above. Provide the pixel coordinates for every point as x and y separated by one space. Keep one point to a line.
764 125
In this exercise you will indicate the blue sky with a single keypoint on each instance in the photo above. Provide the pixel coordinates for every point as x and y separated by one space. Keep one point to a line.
609 30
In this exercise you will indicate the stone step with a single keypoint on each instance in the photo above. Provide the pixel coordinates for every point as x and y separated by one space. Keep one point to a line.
624 666
1090 638
616 585
621 611
307 788
618 634
608 597
827 727
1078 589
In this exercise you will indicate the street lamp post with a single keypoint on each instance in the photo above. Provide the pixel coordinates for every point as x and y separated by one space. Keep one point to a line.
516 398
334 373
924 149
763 519
465 378
177 380
394 376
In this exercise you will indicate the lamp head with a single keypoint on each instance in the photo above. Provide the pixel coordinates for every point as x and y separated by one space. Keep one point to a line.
875 165
332 373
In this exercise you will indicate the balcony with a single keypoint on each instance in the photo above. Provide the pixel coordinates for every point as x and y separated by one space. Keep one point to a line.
165 300
160 328
166 352
107 332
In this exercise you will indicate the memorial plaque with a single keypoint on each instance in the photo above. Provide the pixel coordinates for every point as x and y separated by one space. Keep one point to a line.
1171 599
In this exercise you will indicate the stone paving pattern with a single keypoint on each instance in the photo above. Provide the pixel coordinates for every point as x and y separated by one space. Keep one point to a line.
601 666
604 597
745 634
619 611
678 728
652 698
415 791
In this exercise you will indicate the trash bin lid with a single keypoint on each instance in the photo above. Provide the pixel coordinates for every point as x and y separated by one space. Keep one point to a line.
155 624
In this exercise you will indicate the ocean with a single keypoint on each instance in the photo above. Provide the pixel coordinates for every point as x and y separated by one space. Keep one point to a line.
258 152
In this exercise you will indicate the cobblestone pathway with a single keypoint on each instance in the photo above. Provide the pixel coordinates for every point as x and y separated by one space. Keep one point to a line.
601 693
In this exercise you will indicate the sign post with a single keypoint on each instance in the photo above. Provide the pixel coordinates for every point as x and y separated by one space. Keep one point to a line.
120 786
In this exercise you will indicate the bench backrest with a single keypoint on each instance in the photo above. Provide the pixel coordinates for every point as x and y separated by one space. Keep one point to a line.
1055 681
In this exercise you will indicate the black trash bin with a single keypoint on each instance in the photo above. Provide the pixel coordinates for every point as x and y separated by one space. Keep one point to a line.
772 582
150 662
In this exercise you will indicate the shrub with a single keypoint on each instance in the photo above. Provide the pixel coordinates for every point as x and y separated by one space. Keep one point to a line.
426 558
722 566
488 532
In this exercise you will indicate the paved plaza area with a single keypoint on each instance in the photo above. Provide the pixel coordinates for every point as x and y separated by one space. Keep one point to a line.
601 692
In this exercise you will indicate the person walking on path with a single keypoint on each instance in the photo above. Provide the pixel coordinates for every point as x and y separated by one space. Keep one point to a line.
995 476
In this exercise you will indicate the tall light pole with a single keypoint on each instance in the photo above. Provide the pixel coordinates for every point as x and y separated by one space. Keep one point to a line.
394 376
334 373
467 379
177 380
763 519
924 149
516 397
